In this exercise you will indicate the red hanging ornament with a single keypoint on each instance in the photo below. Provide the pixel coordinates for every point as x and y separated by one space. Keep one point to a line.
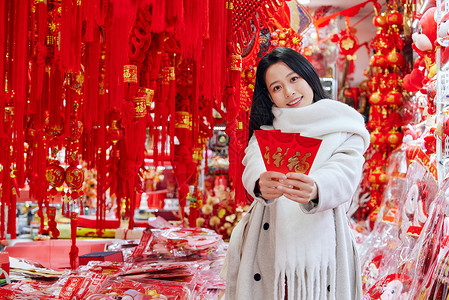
377 138
74 177
114 134
73 254
348 44
193 212
55 175
394 138
395 59
376 98
394 18
378 60
393 98
380 20
52 226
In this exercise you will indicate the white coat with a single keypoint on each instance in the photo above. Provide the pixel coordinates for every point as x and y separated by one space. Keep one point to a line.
310 246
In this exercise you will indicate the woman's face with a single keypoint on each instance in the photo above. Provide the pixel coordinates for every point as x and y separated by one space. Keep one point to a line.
286 88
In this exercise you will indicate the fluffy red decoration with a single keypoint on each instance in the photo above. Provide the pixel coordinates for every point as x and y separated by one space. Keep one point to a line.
413 81
425 36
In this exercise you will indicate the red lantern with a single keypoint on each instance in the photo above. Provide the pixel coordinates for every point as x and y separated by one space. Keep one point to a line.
394 18
393 98
55 175
378 60
74 177
394 138
380 20
376 98
395 58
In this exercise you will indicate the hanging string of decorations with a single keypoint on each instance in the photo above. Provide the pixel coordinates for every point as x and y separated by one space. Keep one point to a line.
387 68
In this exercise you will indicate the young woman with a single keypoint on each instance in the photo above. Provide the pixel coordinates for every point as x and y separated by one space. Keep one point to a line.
295 241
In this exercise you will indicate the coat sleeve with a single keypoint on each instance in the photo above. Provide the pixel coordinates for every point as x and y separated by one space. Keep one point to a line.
338 178
254 166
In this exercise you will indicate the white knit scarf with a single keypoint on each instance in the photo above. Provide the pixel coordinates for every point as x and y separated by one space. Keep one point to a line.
322 117
305 243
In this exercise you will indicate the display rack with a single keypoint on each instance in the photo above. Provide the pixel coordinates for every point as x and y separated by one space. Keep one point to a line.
442 100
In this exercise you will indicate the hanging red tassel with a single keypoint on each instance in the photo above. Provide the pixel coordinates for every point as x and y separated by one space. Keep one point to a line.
52 228
193 211
102 181
73 255
89 12
232 108
67 19
3 39
158 13
55 123
63 208
117 53
6 193
91 80
163 109
174 14
20 84
172 95
215 53
40 214
192 38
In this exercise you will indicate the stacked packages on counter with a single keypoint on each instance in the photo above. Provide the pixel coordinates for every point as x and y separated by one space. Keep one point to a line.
172 263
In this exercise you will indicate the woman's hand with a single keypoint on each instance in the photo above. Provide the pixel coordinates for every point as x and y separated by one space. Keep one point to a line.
268 184
299 187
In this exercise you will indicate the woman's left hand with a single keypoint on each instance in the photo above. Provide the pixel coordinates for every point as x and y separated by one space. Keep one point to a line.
299 187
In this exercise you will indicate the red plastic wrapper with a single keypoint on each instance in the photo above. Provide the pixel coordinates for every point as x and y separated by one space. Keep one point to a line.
143 290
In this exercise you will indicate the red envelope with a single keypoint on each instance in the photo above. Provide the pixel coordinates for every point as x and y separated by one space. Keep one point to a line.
287 152
263 139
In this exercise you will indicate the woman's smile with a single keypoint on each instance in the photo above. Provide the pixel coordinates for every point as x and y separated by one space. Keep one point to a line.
295 102
286 88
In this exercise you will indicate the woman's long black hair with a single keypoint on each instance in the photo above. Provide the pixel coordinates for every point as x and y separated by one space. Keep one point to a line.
261 106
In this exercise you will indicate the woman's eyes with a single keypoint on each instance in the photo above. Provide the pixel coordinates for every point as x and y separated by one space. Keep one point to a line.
293 79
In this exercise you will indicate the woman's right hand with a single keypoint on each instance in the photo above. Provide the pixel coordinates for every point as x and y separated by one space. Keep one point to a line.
268 184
